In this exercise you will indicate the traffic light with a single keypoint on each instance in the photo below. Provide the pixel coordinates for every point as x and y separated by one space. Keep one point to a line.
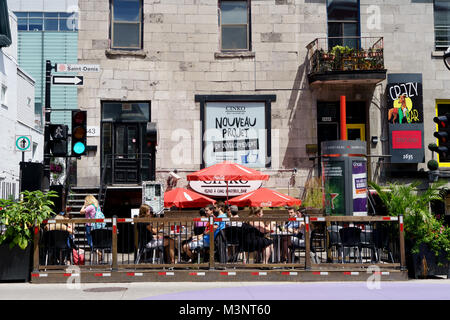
58 140
443 136
79 132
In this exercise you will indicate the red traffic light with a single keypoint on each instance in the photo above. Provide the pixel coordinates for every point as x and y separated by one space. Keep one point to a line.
79 117
442 121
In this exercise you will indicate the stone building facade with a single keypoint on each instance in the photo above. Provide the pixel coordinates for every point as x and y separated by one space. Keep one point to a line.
180 63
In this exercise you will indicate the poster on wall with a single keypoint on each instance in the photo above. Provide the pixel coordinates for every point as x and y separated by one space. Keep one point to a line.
153 195
404 101
334 186
359 186
235 131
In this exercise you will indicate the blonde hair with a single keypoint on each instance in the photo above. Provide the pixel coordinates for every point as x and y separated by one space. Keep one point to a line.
90 199
255 210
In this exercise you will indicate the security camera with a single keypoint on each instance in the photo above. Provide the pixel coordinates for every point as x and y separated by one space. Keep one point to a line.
174 175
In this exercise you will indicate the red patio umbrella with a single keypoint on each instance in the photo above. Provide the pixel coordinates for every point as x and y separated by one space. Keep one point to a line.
264 197
227 171
184 198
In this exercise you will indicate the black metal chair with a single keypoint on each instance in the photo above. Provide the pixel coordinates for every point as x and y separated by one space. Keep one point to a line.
381 242
102 241
334 239
56 246
299 247
350 238
367 241
317 240
144 237
220 247
234 237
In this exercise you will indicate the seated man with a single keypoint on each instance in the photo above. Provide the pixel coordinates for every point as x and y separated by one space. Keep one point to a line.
297 228
202 240
234 213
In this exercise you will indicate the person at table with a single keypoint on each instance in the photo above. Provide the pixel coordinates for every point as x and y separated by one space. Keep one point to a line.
255 231
199 226
153 236
297 229
202 240
220 211
234 214
63 227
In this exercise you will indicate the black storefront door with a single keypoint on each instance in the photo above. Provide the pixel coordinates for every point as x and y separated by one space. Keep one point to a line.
127 152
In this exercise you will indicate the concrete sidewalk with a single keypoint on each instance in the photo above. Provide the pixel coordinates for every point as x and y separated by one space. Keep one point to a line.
438 289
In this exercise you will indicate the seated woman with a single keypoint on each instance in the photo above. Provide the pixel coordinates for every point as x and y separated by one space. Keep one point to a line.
254 235
153 237
201 240
199 226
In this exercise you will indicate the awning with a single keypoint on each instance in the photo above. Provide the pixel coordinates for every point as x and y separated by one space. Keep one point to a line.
5 30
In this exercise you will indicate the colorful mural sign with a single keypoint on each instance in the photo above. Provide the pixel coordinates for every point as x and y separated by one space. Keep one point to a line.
404 101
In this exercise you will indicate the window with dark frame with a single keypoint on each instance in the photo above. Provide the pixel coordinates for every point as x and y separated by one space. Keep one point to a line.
126 24
234 25
47 21
343 23
441 24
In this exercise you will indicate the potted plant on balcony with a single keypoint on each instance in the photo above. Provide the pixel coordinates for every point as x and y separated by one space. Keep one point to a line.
427 239
341 54
17 219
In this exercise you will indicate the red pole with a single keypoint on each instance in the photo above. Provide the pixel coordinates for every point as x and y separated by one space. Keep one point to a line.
343 119
227 192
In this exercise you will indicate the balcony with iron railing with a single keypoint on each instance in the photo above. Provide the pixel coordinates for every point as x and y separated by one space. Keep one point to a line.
357 60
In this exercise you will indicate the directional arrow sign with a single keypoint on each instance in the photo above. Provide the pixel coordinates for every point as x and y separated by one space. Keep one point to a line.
23 143
68 80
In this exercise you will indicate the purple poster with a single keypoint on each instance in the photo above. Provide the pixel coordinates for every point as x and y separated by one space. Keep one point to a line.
359 186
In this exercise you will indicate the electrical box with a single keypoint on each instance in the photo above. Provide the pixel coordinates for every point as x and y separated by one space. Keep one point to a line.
153 195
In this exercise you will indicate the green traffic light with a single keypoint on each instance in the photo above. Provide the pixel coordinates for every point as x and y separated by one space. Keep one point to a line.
79 148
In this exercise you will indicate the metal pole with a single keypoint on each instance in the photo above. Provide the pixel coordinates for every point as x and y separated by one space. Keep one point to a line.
402 243
114 244
47 156
307 244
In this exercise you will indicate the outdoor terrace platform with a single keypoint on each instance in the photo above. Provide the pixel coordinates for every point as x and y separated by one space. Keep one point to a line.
320 259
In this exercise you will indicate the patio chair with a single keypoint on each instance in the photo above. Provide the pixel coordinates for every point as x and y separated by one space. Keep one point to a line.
334 239
102 241
57 247
220 247
368 243
351 238
144 237
234 237
381 242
